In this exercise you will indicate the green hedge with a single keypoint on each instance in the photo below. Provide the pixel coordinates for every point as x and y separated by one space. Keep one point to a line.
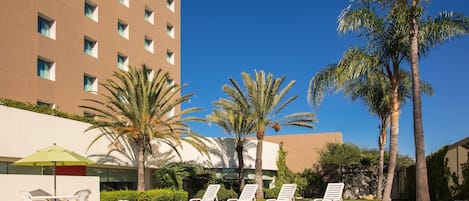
44 110
150 195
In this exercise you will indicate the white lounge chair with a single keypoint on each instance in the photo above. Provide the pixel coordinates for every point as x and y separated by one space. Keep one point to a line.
287 193
248 194
333 192
210 194
83 195
26 196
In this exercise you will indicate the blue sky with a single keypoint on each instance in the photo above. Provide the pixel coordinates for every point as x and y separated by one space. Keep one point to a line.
222 38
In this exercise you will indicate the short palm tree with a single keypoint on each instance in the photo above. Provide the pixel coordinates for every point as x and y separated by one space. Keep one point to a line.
262 99
238 126
137 108
373 90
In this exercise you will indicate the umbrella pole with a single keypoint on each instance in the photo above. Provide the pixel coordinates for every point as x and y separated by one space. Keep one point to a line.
55 179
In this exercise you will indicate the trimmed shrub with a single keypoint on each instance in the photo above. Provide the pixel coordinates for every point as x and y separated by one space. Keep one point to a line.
118 195
44 110
271 193
150 195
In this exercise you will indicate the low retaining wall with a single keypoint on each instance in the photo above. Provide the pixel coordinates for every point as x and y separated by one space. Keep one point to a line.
12 184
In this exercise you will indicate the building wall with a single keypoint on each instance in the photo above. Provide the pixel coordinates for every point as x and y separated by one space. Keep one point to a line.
303 149
456 156
21 45
28 132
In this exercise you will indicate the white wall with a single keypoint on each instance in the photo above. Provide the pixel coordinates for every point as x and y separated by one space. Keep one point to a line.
222 154
12 184
26 132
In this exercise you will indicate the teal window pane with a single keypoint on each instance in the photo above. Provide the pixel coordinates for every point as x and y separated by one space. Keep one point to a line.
147 14
89 10
88 83
40 103
148 72
88 47
43 68
120 28
3 168
43 26
147 43
121 61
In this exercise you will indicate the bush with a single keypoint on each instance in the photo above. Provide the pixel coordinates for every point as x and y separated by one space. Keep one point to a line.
118 195
223 193
150 195
271 193
44 110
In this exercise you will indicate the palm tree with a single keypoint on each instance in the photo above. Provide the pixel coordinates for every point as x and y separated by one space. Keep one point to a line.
386 48
373 90
262 99
237 125
388 38
137 109
444 27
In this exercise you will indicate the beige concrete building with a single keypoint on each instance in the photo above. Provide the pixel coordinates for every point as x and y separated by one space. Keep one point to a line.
303 149
55 52
456 156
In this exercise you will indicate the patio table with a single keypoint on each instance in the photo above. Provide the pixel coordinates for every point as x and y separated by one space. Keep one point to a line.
56 197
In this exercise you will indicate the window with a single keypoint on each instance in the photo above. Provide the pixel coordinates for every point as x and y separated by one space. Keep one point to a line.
170 83
89 115
149 73
45 104
125 2
170 5
91 10
149 16
170 30
171 113
123 29
148 42
45 68
170 57
46 26
90 83
122 62
91 47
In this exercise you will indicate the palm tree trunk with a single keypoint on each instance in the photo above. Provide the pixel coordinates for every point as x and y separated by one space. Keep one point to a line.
239 150
421 180
393 138
258 166
381 144
141 168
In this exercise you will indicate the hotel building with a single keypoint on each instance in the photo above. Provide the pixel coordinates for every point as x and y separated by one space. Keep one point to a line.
55 52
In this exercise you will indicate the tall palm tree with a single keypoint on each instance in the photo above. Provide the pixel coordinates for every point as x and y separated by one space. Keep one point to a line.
137 109
388 38
262 99
444 27
237 125
373 90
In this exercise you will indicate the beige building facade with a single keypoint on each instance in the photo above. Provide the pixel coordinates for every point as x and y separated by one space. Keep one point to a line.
456 156
55 52
303 149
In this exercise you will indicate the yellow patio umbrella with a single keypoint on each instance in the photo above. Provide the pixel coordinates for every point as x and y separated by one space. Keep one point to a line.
54 156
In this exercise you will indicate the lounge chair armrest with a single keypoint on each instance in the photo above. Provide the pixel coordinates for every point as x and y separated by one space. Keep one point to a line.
271 200
317 199
195 199
232 199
